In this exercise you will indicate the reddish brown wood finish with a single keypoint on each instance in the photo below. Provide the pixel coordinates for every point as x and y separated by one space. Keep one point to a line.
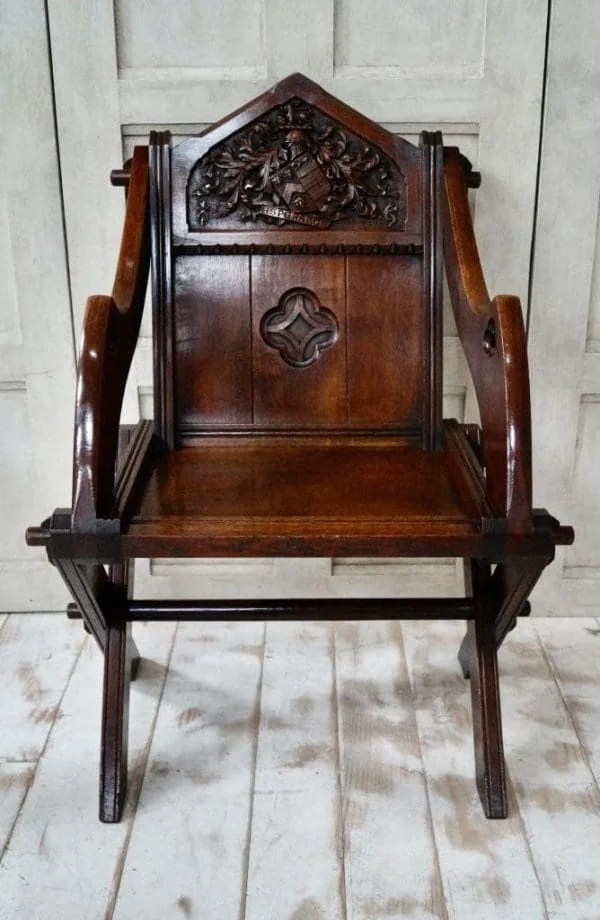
228 376
408 158
121 661
213 341
386 345
493 338
110 330
480 660
317 497
162 286
297 383
285 395
384 369
432 146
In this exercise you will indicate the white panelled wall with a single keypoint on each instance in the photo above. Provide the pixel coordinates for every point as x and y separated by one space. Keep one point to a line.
474 68
36 342
565 317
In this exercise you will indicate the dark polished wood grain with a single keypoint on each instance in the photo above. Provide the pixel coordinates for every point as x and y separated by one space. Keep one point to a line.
296 167
297 254
298 397
110 330
213 342
121 662
386 342
431 382
355 608
246 497
493 338
403 156
367 375
480 659
301 243
162 286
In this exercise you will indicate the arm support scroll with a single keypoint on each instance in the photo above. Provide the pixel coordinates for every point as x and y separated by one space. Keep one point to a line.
110 330
493 339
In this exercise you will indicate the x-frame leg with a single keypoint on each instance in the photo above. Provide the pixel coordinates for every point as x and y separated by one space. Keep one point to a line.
499 598
121 662
86 584
478 656
508 591
102 601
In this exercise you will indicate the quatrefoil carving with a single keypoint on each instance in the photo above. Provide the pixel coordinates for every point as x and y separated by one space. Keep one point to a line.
299 327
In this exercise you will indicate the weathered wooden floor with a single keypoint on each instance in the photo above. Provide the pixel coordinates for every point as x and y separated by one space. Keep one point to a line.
299 772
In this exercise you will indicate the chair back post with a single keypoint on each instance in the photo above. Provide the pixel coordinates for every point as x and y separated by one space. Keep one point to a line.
162 287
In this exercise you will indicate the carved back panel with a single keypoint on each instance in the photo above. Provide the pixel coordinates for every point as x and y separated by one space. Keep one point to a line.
296 271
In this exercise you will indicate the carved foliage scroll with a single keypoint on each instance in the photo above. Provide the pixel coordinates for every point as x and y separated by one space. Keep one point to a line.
295 167
299 327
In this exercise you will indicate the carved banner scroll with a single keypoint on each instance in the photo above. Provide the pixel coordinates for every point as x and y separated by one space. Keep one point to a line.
295 166
299 327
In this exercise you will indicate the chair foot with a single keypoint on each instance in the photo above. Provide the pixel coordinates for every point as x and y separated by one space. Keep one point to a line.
463 657
480 651
115 711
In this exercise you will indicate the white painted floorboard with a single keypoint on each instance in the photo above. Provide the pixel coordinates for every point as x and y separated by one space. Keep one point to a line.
558 798
390 857
61 862
37 656
485 865
188 851
296 791
299 772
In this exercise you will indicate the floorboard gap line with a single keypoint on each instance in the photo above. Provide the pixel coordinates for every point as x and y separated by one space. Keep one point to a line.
513 802
44 746
340 778
258 706
584 755
436 853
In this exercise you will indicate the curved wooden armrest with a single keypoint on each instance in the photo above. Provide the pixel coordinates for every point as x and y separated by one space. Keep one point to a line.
493 338
110 331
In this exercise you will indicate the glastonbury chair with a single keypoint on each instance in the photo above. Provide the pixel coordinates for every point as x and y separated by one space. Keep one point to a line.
297 253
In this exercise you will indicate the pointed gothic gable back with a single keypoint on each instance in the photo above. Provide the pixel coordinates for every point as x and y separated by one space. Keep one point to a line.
295 167
297 274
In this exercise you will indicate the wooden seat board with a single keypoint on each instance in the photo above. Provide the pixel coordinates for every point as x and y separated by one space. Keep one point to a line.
259 481
306 497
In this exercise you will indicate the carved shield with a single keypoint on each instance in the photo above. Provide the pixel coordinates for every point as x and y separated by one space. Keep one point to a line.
301 183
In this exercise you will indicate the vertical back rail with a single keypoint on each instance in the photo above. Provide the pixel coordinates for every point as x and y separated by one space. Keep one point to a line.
162 292
433 167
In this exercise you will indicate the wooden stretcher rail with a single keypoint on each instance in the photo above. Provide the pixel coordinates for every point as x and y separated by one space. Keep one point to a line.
309 609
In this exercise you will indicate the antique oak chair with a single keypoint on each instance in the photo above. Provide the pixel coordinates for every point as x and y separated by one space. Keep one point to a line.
297 252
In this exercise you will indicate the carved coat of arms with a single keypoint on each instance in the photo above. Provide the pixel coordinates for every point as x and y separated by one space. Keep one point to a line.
295 166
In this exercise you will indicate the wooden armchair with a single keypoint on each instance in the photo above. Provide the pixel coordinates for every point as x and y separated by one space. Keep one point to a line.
297 252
